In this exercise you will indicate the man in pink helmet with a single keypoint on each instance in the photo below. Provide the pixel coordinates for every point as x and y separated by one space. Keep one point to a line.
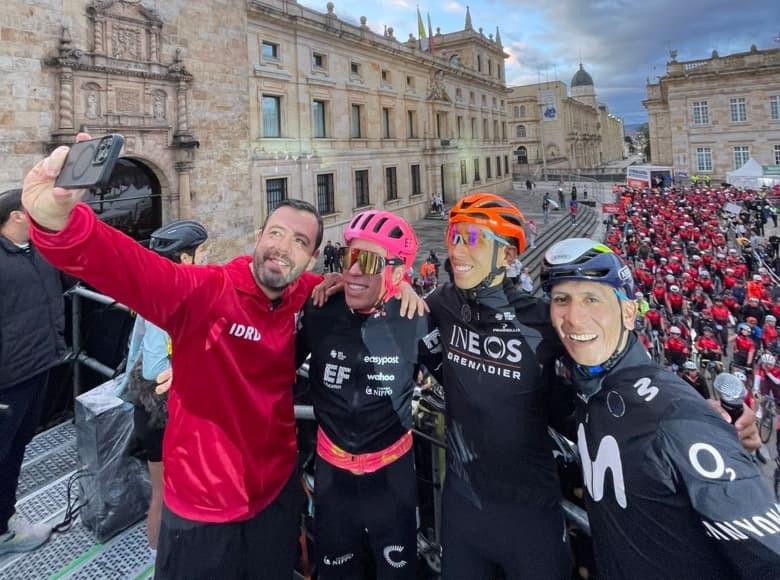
361 374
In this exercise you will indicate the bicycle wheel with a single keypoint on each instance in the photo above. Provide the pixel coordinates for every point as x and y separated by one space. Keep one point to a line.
766 426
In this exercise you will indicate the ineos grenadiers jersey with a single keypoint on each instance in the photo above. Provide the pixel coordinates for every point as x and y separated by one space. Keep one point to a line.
499 384
671 494
361 371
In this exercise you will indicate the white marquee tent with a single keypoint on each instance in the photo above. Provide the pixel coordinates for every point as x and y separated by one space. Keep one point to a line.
752 175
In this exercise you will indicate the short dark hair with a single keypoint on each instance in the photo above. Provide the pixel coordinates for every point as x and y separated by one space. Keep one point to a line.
301 205
10 200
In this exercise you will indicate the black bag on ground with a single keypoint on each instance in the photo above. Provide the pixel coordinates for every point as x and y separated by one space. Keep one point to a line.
116 490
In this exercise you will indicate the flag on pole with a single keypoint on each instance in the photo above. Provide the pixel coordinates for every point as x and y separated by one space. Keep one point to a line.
420 29
430 34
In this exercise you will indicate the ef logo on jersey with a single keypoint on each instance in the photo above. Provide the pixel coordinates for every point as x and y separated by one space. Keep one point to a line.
334 375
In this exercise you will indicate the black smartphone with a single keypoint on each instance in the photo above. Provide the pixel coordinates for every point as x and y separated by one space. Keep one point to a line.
89 164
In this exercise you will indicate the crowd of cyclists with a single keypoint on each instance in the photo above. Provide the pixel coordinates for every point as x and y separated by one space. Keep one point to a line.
708 290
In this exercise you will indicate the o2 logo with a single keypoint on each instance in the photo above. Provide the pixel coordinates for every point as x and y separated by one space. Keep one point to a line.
698 451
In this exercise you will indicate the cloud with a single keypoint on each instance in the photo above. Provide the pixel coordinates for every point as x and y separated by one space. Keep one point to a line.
454 7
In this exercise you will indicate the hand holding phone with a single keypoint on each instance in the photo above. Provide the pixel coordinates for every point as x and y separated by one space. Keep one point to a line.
50 204
89 163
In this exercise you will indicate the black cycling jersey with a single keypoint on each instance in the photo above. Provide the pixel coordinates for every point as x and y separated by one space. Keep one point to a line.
500 385
671 492
361 371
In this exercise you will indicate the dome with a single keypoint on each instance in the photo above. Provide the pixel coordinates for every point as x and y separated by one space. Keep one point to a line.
581 78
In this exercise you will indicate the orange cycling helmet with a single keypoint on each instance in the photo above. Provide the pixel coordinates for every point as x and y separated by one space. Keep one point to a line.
494 212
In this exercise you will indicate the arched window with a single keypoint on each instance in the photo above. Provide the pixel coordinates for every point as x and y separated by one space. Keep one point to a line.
522 155
522 110
517 112
520 131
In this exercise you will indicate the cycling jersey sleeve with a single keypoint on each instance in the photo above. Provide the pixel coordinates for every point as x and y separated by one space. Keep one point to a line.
302 348
429 349
705 460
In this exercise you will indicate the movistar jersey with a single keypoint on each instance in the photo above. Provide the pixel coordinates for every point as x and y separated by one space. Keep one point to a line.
671 494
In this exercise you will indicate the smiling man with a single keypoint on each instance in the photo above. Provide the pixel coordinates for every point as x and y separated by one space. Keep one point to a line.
501 505
682 498
229 452
363 358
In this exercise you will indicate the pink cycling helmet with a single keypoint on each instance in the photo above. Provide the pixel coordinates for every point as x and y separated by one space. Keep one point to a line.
391 232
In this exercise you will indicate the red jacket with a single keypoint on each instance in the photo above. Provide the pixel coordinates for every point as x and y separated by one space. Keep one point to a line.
229 445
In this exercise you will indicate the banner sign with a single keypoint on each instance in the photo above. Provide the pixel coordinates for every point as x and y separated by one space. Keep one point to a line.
549 105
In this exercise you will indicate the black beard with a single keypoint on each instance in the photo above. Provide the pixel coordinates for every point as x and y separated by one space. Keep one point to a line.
272 282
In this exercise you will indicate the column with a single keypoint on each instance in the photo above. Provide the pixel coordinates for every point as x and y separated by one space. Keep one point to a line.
66 98
183 170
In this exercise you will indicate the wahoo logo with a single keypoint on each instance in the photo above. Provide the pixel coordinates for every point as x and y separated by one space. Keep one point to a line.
334 375
381 377
338 560
245 332
595 472
394 563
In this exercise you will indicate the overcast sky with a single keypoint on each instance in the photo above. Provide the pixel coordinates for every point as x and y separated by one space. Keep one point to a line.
621 42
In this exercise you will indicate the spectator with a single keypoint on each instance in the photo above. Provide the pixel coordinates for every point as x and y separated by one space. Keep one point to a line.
546 208
573 211
339 253
434 259
573 191
532 231
330 257
513 270
31 343
526 282
561 197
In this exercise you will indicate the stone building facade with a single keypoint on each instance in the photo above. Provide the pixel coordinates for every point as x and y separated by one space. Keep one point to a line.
565 129
709 116
231 106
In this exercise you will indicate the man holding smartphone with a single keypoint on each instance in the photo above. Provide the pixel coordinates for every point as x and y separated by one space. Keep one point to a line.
231 494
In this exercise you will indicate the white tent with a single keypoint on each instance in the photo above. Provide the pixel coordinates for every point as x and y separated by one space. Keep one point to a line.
751 175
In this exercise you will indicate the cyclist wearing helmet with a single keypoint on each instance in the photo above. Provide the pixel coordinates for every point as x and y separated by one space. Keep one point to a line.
674 300
361 373
149 355
675 347
744 346
678 476
691 375
707 344
769 333
498 372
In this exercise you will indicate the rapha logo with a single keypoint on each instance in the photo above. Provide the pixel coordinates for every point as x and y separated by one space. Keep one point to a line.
595 472
390 550
338 560
245 332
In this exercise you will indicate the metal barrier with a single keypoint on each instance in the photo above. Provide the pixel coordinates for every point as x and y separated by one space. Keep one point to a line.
77 293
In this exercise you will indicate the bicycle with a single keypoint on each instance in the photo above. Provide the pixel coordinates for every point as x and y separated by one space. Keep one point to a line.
765 417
